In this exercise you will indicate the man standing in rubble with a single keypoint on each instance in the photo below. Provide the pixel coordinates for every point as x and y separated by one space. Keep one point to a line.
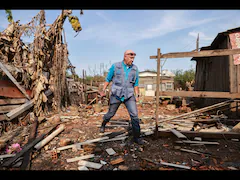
124 77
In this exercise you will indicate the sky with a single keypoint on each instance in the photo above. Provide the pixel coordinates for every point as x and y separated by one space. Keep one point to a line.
107 34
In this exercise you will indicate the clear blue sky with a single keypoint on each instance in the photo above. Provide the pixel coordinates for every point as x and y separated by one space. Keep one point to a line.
106 34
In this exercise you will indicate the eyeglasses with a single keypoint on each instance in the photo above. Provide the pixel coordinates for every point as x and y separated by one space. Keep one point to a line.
132 54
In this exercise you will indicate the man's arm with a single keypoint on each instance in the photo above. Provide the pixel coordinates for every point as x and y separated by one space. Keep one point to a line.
136 88
108 80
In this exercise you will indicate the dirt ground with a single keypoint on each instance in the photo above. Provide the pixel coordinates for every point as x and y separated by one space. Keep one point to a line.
84 125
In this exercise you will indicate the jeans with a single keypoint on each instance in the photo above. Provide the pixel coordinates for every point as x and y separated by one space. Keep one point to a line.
131 106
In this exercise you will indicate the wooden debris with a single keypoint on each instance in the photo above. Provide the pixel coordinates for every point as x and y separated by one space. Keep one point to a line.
117 161
83 168
82 143
50 137
110 151
178 134
175 165
80 158
89 147
191 151
6 156
114 139
197 142
90 164
236 128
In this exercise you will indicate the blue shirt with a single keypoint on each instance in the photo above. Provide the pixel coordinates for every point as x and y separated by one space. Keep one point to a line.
126 69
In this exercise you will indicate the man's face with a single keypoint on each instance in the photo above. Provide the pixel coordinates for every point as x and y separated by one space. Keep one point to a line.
129 57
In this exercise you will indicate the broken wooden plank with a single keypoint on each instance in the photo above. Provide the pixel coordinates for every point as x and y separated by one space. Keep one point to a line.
110 151
81 143
178 134
83 168
7 156
17 111
90 164
12 101
8 108
117 161
80 158
191 151
50 137
114 139
197 142
175 165
5 70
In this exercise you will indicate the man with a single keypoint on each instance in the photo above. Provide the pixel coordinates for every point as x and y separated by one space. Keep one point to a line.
124 77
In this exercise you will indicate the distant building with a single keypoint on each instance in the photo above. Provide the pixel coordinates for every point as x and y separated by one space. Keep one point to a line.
148 84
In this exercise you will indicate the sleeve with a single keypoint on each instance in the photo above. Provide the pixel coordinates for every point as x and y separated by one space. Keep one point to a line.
137 78
110 73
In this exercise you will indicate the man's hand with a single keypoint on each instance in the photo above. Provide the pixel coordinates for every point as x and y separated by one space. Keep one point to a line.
102 93
137 97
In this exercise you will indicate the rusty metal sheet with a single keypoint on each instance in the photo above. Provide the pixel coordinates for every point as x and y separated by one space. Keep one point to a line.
8 89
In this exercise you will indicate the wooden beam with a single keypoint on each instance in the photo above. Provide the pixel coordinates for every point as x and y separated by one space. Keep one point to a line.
17 111
157 93
201 94
12 101
7 108
205 53
5 70
204 135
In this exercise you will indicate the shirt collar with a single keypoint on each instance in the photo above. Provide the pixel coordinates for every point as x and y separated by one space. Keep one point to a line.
126 65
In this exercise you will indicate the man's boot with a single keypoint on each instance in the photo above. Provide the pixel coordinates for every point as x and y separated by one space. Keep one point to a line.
102 128
138 141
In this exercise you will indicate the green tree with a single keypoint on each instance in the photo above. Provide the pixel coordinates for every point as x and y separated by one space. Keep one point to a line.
181 77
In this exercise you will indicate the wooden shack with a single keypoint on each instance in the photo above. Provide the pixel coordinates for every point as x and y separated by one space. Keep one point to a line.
218 73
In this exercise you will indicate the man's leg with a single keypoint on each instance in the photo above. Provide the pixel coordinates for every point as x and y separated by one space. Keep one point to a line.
133 112
111 112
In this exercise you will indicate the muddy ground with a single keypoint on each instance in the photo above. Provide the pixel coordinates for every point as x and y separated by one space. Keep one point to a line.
83 124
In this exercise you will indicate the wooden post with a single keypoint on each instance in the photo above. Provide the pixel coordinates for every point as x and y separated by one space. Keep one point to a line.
157 88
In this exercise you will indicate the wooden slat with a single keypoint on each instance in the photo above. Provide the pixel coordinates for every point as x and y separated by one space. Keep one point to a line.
8 108
13 80
2 117
202 94
12 101
9 90
17 111
206 53
178 134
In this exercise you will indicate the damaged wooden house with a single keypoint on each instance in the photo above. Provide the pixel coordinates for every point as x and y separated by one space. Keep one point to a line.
219 73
